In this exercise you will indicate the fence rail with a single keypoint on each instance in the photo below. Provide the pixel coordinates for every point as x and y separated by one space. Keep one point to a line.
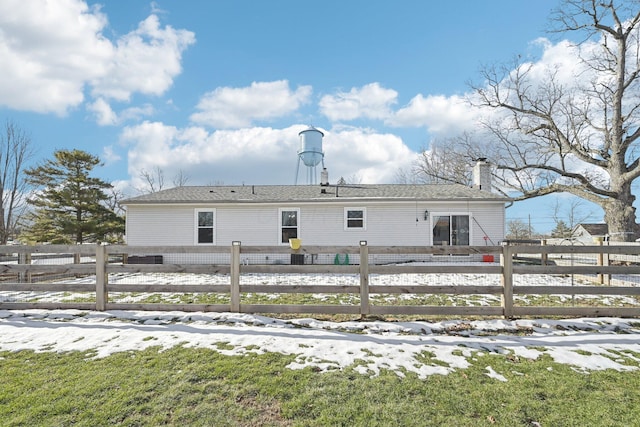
98 273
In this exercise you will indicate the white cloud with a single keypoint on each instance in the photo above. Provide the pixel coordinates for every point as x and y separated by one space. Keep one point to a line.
109 155
136 113
51 51
451 115
48 51
103 113
439 114
145 60
258 155
563 59
105 116
371 101
229 108
373 157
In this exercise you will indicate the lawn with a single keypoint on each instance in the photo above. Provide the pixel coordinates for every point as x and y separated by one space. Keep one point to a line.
187 386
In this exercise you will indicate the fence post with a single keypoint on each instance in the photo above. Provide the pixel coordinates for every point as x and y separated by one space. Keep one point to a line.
544 257
364 279
506 261
102 278
605 262
24 258
235 277
600 262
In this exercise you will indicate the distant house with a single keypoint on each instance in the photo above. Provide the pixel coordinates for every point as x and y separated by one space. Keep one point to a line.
589 233
381 214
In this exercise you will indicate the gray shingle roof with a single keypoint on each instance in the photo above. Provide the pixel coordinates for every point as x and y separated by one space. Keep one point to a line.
312 193
595 229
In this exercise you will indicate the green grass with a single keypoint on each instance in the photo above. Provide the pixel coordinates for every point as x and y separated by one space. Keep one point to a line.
353 299
196 387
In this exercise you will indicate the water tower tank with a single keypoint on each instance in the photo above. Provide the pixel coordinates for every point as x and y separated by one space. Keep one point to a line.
311 146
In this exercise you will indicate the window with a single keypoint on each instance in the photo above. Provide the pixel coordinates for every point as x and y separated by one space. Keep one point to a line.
289 224
205 220
451 230
354 218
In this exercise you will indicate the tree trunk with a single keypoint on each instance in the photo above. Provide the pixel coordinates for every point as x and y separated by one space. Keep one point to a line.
620 216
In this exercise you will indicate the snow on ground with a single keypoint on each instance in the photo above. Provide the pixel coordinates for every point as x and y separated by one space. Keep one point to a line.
425 348
409 279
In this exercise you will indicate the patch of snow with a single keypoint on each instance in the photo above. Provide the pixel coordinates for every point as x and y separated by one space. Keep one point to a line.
585 344
493 374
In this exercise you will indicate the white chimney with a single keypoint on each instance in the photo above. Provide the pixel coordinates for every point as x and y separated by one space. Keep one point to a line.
482 175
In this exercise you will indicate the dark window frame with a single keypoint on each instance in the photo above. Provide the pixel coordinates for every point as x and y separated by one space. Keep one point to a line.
451 229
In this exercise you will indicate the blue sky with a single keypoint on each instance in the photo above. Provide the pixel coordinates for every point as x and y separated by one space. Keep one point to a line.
219 90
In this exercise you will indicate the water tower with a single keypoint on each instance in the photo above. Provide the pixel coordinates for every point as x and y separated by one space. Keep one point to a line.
310 153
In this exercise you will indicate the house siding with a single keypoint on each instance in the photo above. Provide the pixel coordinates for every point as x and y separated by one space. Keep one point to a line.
387 224
168 226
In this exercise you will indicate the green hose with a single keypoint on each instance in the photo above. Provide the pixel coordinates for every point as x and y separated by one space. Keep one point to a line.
337 260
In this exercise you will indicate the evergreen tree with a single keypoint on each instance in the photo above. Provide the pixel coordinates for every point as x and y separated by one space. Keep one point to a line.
70 205
562 230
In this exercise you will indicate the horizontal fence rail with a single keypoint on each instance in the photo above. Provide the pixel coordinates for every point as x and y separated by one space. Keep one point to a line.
596 280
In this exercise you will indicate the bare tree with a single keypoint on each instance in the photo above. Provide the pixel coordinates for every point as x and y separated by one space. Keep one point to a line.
154 180
353 179
518 229
448 161
576 138
15 151
115 196
180 179
571 213
579 134
405 176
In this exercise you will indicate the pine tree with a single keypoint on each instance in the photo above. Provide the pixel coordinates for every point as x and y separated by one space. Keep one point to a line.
70 205
562 230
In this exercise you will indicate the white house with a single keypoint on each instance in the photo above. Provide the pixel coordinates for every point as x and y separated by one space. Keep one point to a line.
324 215
589 233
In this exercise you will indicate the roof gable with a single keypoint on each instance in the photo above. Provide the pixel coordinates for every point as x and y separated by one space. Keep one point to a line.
594 229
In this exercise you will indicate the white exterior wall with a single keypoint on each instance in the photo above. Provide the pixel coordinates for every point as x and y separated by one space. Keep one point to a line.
162 226
387 224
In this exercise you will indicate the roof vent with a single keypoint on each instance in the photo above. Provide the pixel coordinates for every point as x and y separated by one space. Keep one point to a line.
324 177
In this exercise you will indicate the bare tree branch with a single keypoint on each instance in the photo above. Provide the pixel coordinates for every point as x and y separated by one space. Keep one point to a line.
546 131
15 151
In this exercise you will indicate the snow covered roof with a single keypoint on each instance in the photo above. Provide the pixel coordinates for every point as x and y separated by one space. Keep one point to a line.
314 193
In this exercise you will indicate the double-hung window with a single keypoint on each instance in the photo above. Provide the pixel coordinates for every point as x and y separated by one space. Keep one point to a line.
289 224
355 219
205 226
451 230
